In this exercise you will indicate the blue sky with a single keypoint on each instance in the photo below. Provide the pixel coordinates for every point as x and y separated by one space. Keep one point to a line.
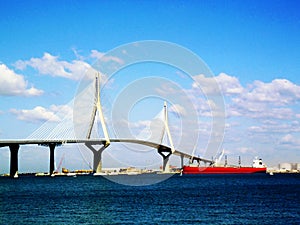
252 46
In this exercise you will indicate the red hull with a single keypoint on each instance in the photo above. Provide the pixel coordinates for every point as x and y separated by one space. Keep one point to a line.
222 170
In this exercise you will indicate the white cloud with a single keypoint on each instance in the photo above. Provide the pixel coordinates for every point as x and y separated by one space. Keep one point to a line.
257 129
208 85
37 114
275 100
62 109
246 150
267 100
40 113
221 84
266 111
105 58
280 92
12 84
178 110
51 65
229 85
289 140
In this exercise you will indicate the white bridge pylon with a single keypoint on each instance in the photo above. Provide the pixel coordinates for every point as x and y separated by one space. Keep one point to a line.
97 107
97 164
164 151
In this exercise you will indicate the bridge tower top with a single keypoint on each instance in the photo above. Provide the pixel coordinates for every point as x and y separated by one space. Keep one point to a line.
166 123
97 107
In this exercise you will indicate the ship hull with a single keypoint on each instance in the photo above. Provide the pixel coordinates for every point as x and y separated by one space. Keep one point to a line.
222 170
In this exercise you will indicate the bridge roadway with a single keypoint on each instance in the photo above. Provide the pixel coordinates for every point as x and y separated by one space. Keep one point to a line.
163 150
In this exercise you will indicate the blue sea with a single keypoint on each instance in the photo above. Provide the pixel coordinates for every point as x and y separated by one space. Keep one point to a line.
188 199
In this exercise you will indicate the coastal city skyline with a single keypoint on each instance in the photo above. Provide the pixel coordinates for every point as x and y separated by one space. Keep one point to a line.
252 48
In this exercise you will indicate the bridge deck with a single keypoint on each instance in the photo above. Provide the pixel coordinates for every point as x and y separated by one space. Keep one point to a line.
4 143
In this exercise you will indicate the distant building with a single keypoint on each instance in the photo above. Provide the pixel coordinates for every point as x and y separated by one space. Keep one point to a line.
284 167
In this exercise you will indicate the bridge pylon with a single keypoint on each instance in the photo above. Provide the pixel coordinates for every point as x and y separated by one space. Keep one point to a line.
162 150
97 166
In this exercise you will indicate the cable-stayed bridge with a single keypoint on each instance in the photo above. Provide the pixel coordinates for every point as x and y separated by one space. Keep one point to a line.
64 132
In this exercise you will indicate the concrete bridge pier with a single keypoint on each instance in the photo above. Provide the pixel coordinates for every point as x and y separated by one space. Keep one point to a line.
165 153
97 165
14 149
166 165
181 160
52 157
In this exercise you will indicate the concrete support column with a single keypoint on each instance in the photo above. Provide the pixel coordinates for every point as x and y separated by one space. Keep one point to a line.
97 165
166 165
51 165
14 148
181 160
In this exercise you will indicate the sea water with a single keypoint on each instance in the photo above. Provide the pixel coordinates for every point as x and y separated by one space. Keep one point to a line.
187 199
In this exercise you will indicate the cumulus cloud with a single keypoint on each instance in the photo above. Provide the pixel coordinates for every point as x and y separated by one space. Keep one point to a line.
276 127
289 140
246 150
208 85
105 58
12 84
41 114
221 84
36 114
279 92
177 110
266 100
257 129
51 65
274 97
229 85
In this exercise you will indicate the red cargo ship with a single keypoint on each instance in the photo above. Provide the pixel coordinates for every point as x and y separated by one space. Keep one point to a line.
257 167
